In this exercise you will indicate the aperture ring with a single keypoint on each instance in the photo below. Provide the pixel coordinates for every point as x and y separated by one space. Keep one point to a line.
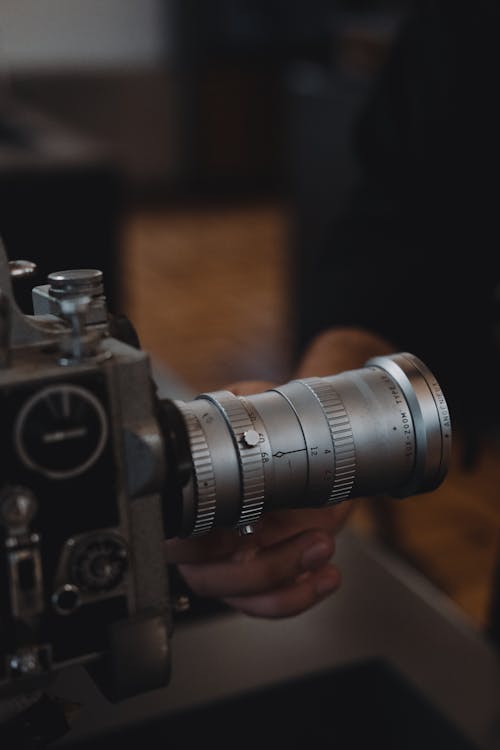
342 438
203 473
250 456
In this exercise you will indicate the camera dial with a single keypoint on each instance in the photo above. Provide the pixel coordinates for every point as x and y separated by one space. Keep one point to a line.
98 563
61 431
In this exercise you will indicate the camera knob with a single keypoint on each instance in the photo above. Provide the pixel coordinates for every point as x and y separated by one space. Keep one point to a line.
21 269
76 282
250 438
99 563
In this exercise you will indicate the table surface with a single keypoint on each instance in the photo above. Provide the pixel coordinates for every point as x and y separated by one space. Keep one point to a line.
384 610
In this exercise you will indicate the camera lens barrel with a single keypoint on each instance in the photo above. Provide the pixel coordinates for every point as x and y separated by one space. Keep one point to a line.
383 428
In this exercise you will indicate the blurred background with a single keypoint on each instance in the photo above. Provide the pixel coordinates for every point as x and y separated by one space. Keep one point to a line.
196 152
171 142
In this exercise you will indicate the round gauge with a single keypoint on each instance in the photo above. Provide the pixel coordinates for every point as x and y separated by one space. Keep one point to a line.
61 431
99 562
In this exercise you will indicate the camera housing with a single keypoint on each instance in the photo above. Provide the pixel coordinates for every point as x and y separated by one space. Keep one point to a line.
82 567
97 471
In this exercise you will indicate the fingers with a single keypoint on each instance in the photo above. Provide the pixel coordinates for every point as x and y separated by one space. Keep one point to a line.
272 528
277 525
248 387
272 573
257 570
339 349
292 599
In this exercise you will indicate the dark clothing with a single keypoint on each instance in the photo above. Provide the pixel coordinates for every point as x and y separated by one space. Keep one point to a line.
416 254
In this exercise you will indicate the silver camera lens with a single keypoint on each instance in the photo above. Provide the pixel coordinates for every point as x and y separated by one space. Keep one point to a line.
384 428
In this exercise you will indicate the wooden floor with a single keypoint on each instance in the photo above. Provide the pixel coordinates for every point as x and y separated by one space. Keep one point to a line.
207 289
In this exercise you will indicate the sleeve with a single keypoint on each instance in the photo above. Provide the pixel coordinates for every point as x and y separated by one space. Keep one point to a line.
411 256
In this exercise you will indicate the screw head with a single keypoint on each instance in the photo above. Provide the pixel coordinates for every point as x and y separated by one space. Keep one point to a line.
19 269
17 506
251 438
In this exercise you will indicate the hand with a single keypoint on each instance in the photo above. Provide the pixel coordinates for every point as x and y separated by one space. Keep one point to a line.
284 567
280 570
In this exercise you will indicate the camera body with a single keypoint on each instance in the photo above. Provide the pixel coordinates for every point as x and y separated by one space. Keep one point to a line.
97 471
82 567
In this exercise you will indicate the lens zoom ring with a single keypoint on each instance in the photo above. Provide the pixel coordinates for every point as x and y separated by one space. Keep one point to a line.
204 475
342 437
252 471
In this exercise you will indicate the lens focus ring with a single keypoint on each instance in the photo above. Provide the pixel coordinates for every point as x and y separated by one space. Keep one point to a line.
342 438
250 457
203 473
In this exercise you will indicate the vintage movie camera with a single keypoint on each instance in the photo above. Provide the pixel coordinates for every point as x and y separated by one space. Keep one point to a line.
96 470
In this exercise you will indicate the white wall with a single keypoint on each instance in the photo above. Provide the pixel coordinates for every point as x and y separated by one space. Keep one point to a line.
37 34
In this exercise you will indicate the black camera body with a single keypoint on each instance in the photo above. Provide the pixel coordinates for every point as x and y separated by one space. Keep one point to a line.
82 567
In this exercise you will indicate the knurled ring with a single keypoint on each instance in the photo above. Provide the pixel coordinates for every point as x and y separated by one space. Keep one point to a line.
342 438
250 456
203 473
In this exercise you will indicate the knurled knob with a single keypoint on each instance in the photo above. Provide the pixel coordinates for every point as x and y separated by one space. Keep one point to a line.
342 438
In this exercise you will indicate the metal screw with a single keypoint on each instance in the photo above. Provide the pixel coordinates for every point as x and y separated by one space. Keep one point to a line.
246 530
25 663
17 507
19 269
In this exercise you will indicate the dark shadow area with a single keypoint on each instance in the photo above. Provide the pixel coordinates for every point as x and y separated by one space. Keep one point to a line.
60 200
369 704
393 220
233 60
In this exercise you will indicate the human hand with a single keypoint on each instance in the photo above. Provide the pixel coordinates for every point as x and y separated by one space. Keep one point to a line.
280 570
284 567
